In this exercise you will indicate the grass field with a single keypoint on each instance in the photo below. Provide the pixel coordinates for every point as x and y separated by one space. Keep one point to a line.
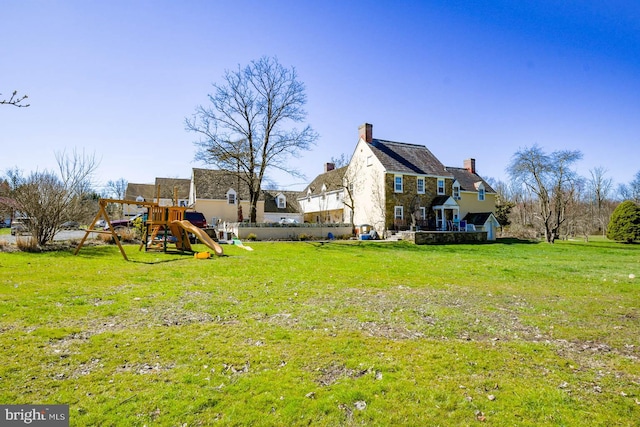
346 333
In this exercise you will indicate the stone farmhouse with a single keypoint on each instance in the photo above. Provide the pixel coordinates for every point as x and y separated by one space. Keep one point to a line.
395 186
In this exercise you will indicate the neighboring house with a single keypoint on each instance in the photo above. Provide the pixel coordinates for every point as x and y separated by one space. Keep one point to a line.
323 200
138 193
396 186
222 197
282 206
171 190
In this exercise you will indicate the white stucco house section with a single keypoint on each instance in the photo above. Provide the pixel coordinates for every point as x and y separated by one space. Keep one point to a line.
365 177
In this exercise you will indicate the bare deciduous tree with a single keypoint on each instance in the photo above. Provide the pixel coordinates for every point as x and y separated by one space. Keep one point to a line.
248 126
340 161
600 190
48 200
352 183
550 178
505 202
116 190
634 189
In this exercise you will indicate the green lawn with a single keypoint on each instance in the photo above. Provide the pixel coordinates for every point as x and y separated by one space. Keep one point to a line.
346 333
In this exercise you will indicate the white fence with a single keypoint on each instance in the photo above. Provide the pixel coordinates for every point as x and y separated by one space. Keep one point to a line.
271 231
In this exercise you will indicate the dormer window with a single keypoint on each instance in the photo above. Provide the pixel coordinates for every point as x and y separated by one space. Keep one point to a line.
456 191
282 202
231 197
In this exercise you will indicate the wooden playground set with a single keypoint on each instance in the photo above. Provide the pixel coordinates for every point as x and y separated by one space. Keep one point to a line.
164 227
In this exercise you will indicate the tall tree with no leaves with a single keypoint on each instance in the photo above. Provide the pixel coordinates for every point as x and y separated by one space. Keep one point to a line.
599 197
550 178
634 188
248 127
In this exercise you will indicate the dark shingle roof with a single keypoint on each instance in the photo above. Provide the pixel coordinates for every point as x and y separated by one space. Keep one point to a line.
467 180
407 158
332 180
270 204
147 191
478 218
214 184
168 184
439 200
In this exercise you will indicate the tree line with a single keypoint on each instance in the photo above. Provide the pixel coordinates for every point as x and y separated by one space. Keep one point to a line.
546 198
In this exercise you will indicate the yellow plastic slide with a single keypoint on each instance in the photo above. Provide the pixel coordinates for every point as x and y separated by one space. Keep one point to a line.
201 235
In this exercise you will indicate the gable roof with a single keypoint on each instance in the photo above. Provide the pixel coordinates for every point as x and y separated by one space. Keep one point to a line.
214 184
478 218
332 180
468 180
147 191
168 184
271 206
443 201
408 158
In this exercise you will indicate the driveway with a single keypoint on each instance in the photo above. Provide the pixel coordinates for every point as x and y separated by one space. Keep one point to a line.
62 235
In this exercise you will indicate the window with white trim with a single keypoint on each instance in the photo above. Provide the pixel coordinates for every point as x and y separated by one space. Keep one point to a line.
456 192
423 213
282 202
481 194
440 185
398 212
420 186
231 197
397 184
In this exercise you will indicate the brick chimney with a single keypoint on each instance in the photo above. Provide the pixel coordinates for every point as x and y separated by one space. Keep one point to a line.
366 132
329 167
470 165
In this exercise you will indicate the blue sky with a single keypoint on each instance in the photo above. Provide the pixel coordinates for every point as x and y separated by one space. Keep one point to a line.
467 79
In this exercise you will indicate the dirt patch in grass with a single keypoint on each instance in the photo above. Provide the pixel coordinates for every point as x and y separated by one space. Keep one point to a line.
331 374
145 368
